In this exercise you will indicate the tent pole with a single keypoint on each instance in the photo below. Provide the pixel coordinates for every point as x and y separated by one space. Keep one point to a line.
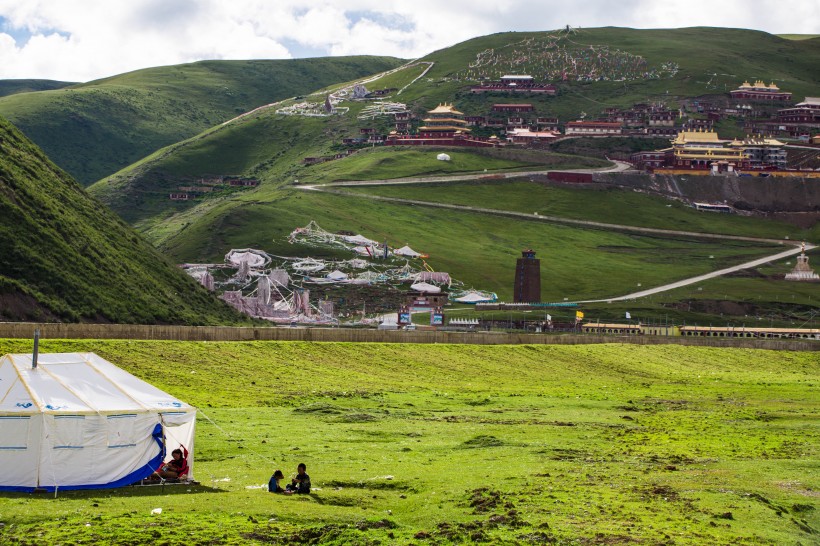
36 348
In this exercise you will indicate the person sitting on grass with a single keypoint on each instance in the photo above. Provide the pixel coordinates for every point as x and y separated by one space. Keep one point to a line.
301 482
174 470
273 485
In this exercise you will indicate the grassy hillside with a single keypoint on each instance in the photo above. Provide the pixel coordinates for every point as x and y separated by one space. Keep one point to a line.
12 87
67 258
632 66
94 129
638 66
799 36
450 444
671 64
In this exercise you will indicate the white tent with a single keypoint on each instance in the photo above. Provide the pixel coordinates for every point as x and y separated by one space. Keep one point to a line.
336 275
407 251
77 421
474 296
426 287
359 240
254 258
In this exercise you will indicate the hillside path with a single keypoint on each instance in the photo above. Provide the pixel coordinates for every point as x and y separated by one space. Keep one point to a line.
699 278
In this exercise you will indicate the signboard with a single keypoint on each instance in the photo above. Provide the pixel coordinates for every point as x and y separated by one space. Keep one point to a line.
404 317
437 319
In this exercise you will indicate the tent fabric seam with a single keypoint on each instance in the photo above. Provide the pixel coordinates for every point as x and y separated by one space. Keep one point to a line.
19 377
97 370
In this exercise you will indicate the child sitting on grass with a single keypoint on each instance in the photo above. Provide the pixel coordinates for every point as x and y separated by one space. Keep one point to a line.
273 485
301 482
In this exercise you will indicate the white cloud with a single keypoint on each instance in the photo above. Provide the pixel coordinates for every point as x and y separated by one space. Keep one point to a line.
79 40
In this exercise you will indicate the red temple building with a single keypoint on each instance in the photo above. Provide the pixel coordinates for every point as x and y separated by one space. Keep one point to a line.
807 111
514 108
443 126
593 128
760 92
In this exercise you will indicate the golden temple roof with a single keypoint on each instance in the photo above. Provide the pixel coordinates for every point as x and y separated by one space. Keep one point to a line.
445 108
759 85
691 137
443 120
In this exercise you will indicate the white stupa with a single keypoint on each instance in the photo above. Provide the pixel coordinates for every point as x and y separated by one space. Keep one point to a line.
802 271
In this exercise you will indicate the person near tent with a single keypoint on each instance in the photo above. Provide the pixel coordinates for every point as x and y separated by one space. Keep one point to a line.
301 482
273 485
176 468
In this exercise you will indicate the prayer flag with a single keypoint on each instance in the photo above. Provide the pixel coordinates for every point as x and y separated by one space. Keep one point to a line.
628 315
579 314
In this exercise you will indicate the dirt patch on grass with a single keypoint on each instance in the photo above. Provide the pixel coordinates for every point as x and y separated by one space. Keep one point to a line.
356 418
481 441
484 499
381 484
602 539
559 454
377 524
319 408
664 492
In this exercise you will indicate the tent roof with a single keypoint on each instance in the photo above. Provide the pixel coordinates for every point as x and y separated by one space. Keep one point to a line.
407 251
336 275
426 287
473 296
76 383
359 240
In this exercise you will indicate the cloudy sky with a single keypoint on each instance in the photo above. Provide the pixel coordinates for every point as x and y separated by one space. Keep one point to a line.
80 40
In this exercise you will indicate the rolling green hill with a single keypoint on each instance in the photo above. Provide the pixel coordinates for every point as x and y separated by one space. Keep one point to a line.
94 129
631 66
65 257
12 87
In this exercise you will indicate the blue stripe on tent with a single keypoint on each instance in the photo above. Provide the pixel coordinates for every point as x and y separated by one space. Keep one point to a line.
68 447
13 447
123 416
142 472
15 417
172 413
69 416
122 445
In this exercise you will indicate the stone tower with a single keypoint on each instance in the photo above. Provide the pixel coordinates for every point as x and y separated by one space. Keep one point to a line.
527 288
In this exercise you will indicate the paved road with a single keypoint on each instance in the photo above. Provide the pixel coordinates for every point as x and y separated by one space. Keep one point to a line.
699 278
620 166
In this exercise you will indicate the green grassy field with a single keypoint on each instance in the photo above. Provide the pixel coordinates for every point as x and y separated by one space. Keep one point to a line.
576 445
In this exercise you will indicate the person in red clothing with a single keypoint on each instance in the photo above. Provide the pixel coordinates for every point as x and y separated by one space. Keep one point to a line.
176 468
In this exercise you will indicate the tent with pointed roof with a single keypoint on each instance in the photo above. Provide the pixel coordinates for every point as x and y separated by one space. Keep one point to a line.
407 251
77 421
